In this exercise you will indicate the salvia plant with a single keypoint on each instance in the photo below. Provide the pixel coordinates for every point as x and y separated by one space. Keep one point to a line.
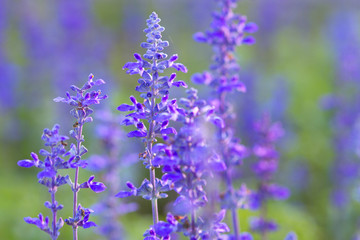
81 111
344 115
49 177
265 167
344 121
205 147
151 115
188 161
54 160
228 31
108 208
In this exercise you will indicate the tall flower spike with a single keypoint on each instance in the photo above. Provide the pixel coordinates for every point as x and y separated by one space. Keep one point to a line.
345 117
111 138
81 111
228 30
49 177
188 161
151 115
265 168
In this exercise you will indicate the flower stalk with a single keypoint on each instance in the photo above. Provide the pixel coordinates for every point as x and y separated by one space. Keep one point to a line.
81 111
157 114
228 32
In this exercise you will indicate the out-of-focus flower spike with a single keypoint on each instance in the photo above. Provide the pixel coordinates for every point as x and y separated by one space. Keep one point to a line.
291 236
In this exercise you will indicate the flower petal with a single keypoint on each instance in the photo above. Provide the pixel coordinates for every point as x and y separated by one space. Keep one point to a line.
25 163
97 187
125 108
123 194
89 224
137 134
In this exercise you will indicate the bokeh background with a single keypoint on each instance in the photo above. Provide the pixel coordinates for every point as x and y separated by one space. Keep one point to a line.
304 71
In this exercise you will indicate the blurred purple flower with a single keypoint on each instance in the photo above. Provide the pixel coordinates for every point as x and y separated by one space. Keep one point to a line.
291 236
262 226
344 37
228 31
187 162
108 208
265 167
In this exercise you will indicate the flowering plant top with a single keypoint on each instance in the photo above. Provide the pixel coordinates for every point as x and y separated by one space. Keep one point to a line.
228 31
152 114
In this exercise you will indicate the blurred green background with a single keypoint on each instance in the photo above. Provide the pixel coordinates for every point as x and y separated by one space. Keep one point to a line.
46 46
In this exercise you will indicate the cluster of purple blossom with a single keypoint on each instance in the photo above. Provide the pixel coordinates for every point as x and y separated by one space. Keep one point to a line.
55 160
345 119
187 156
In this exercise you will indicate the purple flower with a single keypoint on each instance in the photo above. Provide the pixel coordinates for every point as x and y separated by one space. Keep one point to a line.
228 31
345 113
83 99
81 218
95 186
261 225
164 229
152 114
49 177
188 161
240 198
152 86
214 225
146 190
291 236
264 149
150 234
41 223
246 236
265 167
81 111
111 138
